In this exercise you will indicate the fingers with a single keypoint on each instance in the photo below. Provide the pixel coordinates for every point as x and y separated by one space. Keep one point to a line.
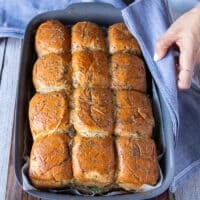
186 66
163 44
184 32
186 59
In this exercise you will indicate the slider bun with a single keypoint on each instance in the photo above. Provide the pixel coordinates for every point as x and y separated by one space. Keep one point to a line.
121 40
48 113
128 72
52 73
137 162
93 160
87 35
52 37
134 114
50 163
90 69
93 113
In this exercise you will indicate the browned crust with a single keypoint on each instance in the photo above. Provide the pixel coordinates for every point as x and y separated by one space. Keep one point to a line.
48 113
93 160
137 162
128 72
121 40
93 113
50 163
52 37
87 35
52 72
134 114
90 69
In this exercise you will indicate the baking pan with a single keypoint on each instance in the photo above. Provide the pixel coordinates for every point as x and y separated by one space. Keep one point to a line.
104 15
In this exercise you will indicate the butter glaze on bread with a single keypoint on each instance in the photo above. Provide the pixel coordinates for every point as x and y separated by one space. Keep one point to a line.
93 113
90 69
134 114
87 36
48 113
52 72
93 160
121 40
52 37
137 163
50 162
128 72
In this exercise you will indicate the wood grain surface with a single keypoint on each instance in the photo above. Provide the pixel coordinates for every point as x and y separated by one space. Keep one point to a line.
8 84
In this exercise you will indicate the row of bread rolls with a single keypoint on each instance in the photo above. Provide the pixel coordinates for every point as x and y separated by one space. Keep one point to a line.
93 153
113 120
136 151
50 160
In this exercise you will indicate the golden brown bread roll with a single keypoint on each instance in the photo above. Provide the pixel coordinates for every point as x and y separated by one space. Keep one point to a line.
93 160
93 112
121 40
52 37
137 162
52 72
50 162
87 35
90 69
48 113
133 114
128 72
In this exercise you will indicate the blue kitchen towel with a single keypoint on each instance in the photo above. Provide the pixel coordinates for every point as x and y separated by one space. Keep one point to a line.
187 151
147 21
14 15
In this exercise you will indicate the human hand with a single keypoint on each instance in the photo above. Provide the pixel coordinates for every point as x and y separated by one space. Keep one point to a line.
185 33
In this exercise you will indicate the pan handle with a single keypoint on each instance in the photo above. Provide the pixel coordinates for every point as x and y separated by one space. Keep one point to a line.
78 5
93 10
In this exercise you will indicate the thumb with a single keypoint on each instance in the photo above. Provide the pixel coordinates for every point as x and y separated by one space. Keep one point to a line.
163 43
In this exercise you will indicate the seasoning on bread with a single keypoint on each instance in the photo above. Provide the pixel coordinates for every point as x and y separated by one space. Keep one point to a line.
48 113
121 40
93 112
87 35
134 114
50 162
137 162
128 72
93 160
52 72
52 37
90 69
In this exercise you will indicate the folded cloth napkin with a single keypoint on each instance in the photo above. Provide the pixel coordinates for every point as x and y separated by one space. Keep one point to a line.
15 15
147 20
187 151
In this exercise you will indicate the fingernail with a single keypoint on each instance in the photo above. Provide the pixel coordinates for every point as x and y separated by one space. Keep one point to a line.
156 57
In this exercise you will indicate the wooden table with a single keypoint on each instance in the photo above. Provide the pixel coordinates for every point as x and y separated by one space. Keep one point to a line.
9 70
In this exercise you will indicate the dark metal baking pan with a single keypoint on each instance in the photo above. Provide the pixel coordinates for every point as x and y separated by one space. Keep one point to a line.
104 15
